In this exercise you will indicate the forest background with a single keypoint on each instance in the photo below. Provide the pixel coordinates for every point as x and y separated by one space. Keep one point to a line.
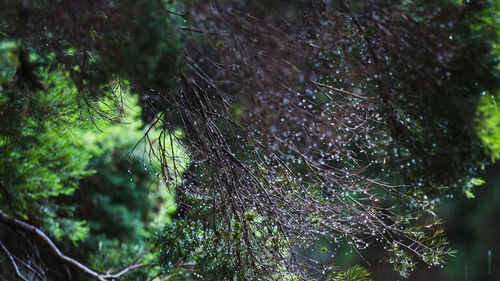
99 104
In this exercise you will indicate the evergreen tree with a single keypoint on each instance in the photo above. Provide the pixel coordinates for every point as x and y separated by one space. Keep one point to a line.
303 121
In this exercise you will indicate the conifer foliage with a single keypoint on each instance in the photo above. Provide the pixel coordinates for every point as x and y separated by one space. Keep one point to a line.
343 121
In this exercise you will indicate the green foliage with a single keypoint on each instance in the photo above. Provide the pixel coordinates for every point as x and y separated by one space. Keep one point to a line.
441 117
84 56
117 200
114 254
41 157
80 181
122 202
183 253
135 40
488 111
470 185
430 237
401 261
354 273
488 125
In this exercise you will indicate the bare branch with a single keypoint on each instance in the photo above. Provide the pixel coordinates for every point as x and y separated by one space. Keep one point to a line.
4 218
337 89
125 271
12 262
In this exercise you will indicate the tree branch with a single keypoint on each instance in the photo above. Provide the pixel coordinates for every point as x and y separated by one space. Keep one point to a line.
125 270
4 218
11 259
194 29
31 269
337 89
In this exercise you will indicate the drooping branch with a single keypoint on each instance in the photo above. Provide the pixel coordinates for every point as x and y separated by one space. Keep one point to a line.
44 239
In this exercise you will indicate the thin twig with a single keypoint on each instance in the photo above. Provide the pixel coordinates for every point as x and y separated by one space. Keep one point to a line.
12 262
194 29
337 89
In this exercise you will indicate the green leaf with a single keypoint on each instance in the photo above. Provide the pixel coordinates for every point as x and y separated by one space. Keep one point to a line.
469 194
